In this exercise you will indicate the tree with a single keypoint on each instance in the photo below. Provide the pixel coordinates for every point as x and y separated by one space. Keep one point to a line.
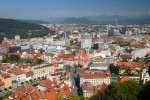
128 72
114 69
128 90
31 80
29 61
43 77
80 66
34 79
10 87
27 81
39 78
68 67
22 83
145 92
38 61
12 58
75 97
1 91
5 89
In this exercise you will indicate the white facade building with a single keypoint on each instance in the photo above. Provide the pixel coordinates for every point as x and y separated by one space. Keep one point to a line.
140 52
94 77
85 40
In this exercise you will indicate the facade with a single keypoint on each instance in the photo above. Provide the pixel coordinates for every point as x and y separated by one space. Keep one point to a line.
18 75
89 90
85 40
1 85
140 52
7 79
94 77
98 66
42 70
145 76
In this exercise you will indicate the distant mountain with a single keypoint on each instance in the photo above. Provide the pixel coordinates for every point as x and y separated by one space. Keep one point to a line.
82 20
106 18
10 27
101 19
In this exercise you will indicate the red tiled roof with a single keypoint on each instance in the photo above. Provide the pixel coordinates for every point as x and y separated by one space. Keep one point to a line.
57 58
16 71
117 38
102 86
55 64
5 75
30 73
4 67
92 74
124 78
46 83
130 64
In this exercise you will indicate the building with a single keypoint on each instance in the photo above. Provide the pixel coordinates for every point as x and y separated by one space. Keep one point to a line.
42 70
85 40
18 75
144 76
1 85
94 77
98 65
89 90
140 52
4 68
7 79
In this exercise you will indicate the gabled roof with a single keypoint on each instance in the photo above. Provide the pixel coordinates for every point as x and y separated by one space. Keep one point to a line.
124 79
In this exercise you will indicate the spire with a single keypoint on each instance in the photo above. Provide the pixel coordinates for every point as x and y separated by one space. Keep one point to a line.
116 22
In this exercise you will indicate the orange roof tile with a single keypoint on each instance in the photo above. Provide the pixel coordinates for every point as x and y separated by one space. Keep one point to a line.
55 64
46 83
92 75
124 79
5 75
57 58
16 71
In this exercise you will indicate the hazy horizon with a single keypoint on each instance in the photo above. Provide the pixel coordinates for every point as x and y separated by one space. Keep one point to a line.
45 9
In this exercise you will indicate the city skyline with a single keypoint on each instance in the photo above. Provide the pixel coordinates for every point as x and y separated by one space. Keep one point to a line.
45 9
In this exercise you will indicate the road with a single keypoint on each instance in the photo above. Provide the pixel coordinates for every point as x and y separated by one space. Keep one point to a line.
74 87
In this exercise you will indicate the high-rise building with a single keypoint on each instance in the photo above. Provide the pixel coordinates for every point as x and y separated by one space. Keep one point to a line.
110 32
85 40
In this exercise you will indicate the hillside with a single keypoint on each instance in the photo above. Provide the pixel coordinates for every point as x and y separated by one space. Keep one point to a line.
9 28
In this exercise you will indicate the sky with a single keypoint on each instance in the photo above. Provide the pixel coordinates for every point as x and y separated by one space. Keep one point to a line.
44 9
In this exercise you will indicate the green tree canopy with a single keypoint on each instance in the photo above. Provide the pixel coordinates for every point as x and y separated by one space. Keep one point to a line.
128 90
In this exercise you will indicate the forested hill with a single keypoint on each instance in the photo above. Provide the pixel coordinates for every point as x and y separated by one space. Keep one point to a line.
10 27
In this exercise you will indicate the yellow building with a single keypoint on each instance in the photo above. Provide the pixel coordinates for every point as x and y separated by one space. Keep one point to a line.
7 79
